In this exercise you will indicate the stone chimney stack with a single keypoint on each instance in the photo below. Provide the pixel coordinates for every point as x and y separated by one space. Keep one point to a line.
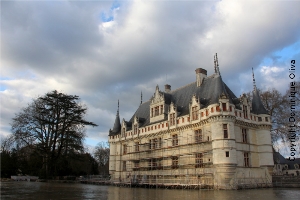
167 88
200 75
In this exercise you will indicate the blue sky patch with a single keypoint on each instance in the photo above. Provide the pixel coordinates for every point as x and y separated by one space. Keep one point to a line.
109 16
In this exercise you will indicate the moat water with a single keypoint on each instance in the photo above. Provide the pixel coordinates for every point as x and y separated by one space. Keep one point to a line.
42 190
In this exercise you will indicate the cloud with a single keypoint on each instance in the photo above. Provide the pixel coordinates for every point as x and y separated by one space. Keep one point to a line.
105 51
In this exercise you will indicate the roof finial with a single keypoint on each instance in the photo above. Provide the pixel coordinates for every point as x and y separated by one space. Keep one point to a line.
118 107
216 63
254 85
141 97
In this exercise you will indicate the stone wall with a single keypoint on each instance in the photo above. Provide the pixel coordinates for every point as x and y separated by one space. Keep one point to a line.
286 181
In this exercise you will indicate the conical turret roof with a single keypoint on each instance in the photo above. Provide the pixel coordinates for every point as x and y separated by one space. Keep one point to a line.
257 105
117 125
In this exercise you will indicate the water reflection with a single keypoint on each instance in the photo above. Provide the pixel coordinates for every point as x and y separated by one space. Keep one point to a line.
32 190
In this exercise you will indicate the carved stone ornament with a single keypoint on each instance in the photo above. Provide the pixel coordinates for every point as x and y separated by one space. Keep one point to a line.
158 96
223 96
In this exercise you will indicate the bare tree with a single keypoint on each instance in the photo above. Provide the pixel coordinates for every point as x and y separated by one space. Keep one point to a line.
7 143
101 153
279 107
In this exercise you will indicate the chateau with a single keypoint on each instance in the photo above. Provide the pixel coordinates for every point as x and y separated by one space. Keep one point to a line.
199 134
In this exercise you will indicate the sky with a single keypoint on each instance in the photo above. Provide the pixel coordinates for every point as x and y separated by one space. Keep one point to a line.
109 50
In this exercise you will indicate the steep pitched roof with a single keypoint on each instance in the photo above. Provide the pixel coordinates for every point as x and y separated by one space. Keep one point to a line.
209 93
257 105
117 125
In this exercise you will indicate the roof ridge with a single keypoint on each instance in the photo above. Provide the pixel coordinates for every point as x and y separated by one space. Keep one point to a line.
181 87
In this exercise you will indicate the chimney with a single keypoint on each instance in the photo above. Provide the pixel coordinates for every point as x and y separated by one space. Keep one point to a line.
200 75
167 88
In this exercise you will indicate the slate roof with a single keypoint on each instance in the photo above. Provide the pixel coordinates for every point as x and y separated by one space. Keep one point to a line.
117 126
279 159
257 105
208 93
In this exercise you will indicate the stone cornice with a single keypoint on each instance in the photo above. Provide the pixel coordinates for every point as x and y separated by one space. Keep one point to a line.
248 124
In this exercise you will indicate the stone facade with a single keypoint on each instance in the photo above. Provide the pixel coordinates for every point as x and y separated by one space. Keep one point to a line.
198 134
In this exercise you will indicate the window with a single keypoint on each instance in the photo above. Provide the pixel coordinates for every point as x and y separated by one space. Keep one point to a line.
137 164
152 114
225 130
244 135
198 136
246 159
212 110
161 109
124 149
199 160
155 143
172 119
188 119
150 144
227 154
230 108
224 106
259 119
206 112
175 140
245 111
137 147
152 164
182 120
174 162
159 143
195 113
266 119
156 111
218 108
124 165
159 163
135 129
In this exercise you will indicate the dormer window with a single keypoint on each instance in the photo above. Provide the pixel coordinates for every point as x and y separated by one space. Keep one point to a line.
195 113
157 106
123 132
135 129
224 106
172 119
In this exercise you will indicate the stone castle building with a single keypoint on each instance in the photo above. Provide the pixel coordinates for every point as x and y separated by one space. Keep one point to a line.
199 134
